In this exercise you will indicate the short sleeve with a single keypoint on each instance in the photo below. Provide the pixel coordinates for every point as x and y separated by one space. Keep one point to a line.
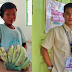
23 37
49 39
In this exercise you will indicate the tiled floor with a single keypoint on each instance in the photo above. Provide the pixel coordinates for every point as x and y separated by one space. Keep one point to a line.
29 54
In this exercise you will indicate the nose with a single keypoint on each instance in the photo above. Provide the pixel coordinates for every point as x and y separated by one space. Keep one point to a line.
11 16
71 16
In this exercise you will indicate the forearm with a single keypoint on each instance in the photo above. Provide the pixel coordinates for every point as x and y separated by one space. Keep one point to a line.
25 46
0 58
46 56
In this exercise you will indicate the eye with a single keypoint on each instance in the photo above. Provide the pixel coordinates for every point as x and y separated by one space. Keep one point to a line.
14 14
67 13
7 14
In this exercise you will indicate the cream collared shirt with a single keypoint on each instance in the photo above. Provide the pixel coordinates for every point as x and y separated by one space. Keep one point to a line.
56 40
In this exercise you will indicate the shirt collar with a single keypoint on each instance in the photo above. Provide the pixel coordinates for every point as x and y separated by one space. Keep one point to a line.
66 27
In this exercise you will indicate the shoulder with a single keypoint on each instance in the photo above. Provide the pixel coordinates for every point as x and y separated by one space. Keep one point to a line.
55 30
50 32
59 31
19 29
1 25
58 28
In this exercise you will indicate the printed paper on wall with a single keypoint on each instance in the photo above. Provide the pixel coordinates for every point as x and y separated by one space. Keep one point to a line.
54 14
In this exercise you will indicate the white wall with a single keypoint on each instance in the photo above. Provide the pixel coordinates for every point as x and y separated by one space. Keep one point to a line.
6 1
21 18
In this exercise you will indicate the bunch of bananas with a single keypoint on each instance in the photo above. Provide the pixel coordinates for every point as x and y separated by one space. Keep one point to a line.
15 58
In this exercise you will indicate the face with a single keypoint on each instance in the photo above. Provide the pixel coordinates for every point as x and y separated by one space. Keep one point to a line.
68 16
9 16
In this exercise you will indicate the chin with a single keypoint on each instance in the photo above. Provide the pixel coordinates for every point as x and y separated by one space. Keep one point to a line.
69 23
10 23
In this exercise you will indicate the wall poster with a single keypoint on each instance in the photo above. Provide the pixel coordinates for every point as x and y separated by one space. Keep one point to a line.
54 14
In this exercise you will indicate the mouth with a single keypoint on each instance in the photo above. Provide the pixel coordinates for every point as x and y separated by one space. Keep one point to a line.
11 20
70 20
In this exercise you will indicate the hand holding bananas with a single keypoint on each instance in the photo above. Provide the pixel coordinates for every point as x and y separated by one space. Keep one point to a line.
15 58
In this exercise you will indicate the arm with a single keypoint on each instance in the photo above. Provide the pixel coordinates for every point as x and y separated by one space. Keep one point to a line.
46 56
1 58
25 46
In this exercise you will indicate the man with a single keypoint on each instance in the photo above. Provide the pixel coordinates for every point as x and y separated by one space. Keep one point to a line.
59 40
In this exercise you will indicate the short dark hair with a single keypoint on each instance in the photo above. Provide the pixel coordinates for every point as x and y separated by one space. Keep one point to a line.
5 6
67 5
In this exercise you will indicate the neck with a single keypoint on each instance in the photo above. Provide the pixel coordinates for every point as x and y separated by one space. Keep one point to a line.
10 26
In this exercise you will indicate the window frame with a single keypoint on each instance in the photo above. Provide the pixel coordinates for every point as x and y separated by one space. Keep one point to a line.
27 13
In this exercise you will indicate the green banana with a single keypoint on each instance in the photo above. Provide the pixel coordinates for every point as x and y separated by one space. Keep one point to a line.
21 57
6 65
1 49
10 54
15 58
24 65
16 52
4 56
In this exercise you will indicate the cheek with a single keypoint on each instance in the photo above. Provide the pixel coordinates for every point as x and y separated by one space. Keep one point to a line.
14 17
66 17
6 18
